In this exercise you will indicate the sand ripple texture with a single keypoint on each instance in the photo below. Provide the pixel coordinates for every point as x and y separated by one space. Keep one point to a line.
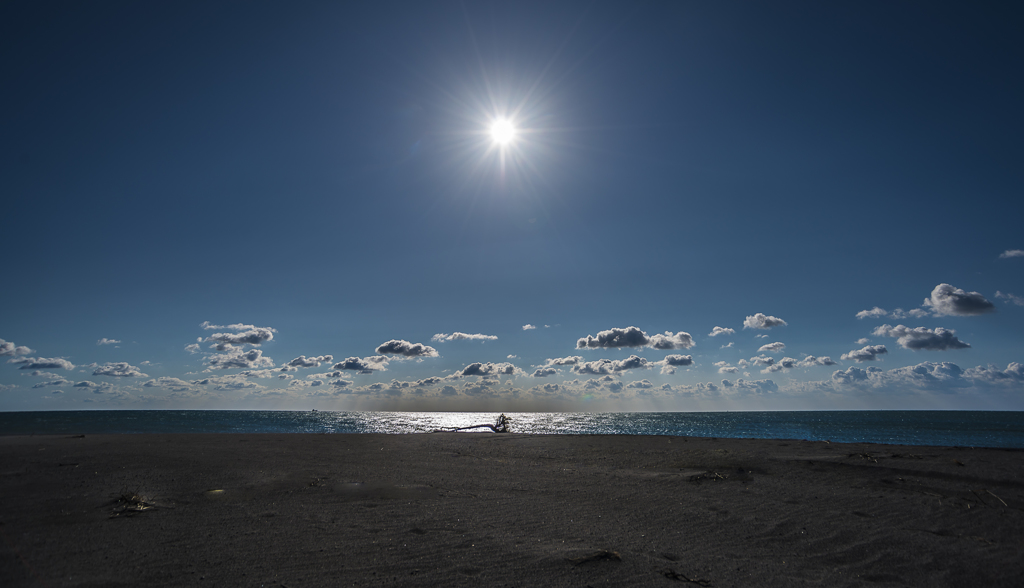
504 510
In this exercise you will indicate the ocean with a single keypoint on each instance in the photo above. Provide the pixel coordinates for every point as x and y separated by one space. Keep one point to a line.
942 428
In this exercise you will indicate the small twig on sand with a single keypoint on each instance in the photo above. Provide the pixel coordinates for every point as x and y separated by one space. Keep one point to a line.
673 575
130 502
997 498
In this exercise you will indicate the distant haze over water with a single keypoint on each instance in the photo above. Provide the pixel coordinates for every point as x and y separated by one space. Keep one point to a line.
963 428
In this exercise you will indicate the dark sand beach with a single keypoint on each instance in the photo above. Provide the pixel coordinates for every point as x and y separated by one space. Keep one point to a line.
482 509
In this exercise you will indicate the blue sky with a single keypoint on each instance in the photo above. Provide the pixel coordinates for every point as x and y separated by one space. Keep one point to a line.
201 198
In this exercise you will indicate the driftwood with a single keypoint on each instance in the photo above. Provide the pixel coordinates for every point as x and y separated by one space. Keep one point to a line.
501 425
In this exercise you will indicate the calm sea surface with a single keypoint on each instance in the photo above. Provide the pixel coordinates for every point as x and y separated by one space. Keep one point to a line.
965 428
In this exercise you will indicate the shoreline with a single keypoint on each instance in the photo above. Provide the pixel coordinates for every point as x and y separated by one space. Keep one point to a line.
510 509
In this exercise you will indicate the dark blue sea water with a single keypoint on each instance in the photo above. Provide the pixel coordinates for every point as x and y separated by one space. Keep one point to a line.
964 428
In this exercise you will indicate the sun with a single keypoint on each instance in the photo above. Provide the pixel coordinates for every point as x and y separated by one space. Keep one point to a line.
502 131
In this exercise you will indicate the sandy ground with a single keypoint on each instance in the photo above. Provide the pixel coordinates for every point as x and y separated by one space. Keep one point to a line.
472 509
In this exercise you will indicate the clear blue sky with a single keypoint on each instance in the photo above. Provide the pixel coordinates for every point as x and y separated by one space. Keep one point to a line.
313 179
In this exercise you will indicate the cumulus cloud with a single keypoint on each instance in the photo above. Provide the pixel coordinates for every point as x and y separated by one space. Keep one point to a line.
97 388
8 349
172 384
725 368
253 336
727 345
58 381
105 341
721 331
671 362
227 383
366 365
862 341
237 358
867 353
1013 374
922 338
634 337
457 336
763 360
489 369
751 386
641 385
680 340
875 312
528 327
931 377
772 347
234 327
543 372
611 366
118 369
1011 253
810 361
678 360
947 300
42 363
406 349
762 321
571 360
1011 298
303 362
192 348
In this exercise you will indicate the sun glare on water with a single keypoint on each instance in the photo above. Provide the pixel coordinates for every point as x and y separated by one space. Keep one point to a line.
502 131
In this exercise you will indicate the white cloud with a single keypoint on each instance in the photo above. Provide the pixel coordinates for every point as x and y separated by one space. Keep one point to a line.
868 353
1011 298
921 338
457 336
303 362
610 366
8 349
58 381
192 348
118 369
1011 253
721 331
42 363
762 321
227 383
728 345
366 365
725 368
772 347
528 327
253 336
875 312
671 362
105 341
931 377
788 363
234 327
634 337
750 386
489 369
96 388
237 358
947 300
172 384
862 341
406 349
